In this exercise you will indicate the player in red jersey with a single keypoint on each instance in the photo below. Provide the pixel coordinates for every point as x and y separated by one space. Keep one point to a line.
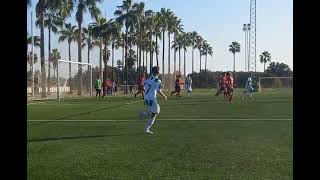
229 87
221 83
178 84
229 81
140 86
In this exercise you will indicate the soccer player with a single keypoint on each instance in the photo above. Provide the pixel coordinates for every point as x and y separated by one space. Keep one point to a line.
248 89
152 88
98 86
140 86
178 83
221 83
229 81
188 84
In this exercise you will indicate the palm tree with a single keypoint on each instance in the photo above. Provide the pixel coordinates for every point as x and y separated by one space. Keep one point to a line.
163 26
264 58
68 32
176 29
115 31
124 15
206 49
170 28
82 7
157 32
35 59
139 13
89 40
150 26
64 8
198 44
54 57
185 43
193 37
53 21
120 43
36 41
98 30
234 47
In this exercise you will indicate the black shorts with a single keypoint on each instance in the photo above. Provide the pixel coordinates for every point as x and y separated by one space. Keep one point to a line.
177 88
140 88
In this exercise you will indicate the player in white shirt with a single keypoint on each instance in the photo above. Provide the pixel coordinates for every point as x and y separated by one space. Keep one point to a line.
188 84
248 89
152 87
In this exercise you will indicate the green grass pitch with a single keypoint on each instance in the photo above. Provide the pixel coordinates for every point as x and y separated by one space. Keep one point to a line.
196 137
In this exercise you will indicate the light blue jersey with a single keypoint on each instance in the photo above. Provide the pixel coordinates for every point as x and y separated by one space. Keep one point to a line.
152 85
249 84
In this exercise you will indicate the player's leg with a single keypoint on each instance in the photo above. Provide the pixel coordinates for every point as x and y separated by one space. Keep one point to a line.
153 110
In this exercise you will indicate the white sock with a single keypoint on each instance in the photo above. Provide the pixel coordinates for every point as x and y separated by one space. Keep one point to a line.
149 124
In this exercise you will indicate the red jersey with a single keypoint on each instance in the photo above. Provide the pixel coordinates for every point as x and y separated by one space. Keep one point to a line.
141 81
179 82
229 81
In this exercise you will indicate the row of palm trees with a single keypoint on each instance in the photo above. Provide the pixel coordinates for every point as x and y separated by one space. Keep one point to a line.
142 30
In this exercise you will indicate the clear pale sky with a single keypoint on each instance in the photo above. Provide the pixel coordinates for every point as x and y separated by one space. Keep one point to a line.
218 21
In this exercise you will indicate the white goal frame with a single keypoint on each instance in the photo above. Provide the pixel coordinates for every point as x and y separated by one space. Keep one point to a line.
260 78
72 62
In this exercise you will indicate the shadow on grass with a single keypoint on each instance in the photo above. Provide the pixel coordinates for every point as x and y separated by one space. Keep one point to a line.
79 137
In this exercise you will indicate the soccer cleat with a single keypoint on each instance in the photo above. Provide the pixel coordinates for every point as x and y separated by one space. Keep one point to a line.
149 132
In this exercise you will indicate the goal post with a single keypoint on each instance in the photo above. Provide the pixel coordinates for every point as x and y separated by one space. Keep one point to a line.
74 79
275 83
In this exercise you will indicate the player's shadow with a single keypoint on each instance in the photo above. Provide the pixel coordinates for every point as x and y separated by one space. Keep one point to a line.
79 137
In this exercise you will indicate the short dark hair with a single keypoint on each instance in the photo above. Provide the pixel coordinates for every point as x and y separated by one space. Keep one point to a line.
155 70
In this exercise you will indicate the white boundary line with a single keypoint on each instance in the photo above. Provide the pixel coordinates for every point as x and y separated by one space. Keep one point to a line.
75 104
135 120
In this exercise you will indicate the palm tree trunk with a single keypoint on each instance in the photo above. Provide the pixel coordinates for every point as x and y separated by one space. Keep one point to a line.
137 67
100 60
106 59
234 62
169 48
126 59
151 54
123 60
70 80
174 59
157 51
184 62
49 67
163 77
89 44
205 69
179 62
192 58
43 68
200 70
79 59
264 67
112 60
143 62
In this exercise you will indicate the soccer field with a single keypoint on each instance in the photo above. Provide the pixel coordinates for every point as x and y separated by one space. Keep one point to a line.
196 137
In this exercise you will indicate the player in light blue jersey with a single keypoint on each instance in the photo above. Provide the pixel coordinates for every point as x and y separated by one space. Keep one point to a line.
188 84
152 87
248 89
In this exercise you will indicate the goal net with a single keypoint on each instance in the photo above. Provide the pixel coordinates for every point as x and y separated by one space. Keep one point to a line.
275 84
68 79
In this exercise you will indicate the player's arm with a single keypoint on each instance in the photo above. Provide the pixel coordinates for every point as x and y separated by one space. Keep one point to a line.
159 90
161 93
